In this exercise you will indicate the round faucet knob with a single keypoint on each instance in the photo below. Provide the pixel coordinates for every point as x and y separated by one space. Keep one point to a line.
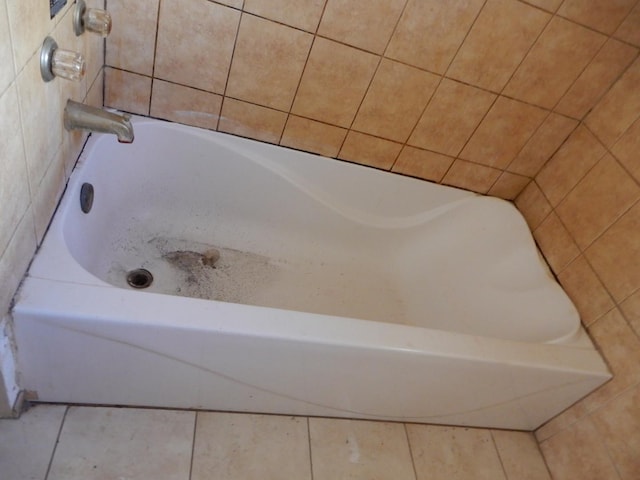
55 62
91 19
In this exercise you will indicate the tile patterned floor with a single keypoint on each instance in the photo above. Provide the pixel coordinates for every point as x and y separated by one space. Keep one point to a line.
56 442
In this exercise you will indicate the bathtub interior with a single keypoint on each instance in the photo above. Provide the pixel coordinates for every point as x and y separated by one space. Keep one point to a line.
299 232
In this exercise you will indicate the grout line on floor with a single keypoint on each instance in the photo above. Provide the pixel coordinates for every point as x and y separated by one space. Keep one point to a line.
413 463
193 443
55 445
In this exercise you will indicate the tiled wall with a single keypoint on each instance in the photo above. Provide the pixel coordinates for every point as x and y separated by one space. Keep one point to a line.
584 210
36 154
472 93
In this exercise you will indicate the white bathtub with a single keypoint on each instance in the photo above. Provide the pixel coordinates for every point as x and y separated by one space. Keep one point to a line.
340 291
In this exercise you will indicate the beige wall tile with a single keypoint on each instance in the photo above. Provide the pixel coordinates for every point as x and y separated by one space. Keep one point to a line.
471 176
619 425
586 458
452 115
631 310
520 455
232 446
194 62
41 127
556 60
430 32
620 347
555 243
618 109
368 150
47 194
615 256
585 290
454 453
185 105
594 81
626 150
7 72
422 164
497 43
509 186
66 38
542 145
252 121
94 48
334 83
267 62
304 14
14 182
359 449
366 25
131 45
628 30
600 198
533 205
29 23
395 100
127 91
503 132
16 258
571 162
312 136
602 15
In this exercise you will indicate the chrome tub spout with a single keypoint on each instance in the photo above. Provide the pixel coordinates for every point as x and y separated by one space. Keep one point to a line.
78 116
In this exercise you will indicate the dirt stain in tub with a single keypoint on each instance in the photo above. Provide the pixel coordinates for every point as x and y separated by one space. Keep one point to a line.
219 273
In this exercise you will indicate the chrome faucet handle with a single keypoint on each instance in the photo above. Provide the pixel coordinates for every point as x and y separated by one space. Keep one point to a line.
91 19
55 62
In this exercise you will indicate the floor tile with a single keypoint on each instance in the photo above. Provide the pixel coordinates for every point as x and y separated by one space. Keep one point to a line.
26 444
350 449
520 455
231 446
454 453
124 443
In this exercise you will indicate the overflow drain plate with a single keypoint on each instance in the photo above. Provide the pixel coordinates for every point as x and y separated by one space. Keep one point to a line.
139 278
86 197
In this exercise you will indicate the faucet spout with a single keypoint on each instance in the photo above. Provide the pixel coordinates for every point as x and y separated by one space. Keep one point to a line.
78 116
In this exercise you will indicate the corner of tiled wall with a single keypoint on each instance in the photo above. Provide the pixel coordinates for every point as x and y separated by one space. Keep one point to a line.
36 153
584 210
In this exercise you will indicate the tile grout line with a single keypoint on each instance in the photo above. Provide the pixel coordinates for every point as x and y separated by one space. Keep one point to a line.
413 462
193 443
310 452
304 68
610 151
233 52
435 90
155 55
55 446
497 450
381 57
506 83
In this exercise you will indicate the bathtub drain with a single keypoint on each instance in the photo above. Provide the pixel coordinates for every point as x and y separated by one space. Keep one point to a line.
139 278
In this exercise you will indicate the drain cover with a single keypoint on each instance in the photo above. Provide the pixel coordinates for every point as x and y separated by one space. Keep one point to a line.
139 278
